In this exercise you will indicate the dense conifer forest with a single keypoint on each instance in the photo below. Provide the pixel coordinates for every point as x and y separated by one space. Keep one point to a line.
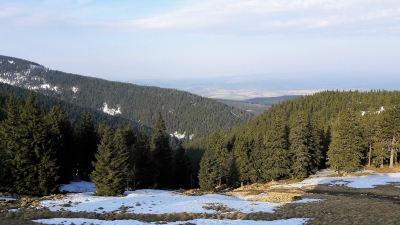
40 150
344 130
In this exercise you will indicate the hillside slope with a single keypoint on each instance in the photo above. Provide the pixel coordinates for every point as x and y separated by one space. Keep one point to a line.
186 115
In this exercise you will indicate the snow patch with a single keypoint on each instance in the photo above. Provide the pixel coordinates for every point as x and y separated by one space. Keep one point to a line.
157 202
45 86
370 181
74 89
7 199
178 135
111 111
11 61
380 110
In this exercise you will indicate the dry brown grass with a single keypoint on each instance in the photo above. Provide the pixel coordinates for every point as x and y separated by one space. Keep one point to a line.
385 169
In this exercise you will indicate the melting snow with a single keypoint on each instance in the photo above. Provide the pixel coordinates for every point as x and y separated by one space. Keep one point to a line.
74 89
354 182
156 201
6 199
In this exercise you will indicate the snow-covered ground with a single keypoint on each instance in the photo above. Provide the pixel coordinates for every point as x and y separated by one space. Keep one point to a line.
155 201
293 221
159 201
369 181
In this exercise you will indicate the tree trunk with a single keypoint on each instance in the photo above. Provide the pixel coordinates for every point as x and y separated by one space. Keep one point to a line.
391 157
369 154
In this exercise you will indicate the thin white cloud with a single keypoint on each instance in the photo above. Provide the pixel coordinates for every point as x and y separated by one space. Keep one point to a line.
332 17
228 17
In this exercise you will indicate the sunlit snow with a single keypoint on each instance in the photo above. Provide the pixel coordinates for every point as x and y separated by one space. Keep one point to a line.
370 181
155 201
111 111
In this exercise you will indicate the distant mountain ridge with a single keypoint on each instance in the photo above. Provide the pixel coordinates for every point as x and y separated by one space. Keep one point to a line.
187 115
256 105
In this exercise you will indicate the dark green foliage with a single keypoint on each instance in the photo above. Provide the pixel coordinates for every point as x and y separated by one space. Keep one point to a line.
213 163
260 149
390 132
276 157
301 146
140 161
28 150
85 140
62 140
111 168
347 149
10 141
182 169
161 156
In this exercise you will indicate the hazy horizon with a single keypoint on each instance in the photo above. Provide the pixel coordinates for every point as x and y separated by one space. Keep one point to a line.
319 44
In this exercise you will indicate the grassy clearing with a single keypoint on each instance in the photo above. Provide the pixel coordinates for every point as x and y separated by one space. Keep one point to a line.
340 205
385 169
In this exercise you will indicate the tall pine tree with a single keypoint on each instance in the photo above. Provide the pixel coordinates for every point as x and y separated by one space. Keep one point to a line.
161 155
346 151
35 170
212 164
276 158
10 142
111 168
301 144
62 139
85 140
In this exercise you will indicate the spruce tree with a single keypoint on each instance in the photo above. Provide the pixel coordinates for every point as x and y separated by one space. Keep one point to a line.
62 139
161 155
301 144
10 142
276 158
391 133
111 168
212 164
140 161
35 170
182 168
85 140
346 151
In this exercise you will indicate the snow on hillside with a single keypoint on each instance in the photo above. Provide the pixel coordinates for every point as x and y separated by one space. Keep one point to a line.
111 111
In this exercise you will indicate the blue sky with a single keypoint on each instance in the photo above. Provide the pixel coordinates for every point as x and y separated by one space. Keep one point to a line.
137 40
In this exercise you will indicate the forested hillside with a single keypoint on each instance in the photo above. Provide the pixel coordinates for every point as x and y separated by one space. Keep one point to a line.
39 150
186 114
342 130
74 112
